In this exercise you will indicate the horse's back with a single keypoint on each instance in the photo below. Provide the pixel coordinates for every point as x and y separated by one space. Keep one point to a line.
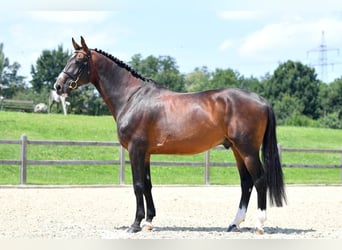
193 122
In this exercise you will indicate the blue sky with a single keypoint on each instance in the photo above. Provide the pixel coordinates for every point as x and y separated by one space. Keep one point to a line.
252 37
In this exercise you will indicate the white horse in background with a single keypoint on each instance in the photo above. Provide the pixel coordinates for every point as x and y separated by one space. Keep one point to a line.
40 108
55 98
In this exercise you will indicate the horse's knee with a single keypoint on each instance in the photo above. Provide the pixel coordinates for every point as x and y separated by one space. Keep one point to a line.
139 188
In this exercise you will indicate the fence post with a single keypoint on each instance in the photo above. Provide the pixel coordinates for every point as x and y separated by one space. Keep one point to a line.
280 150
23 159
207 167
122 166
341 165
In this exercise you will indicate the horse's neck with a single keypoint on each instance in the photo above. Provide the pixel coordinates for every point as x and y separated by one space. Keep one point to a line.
116 86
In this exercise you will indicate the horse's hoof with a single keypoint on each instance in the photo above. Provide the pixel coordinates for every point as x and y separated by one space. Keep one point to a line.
259 231
133 229
147 226
233 228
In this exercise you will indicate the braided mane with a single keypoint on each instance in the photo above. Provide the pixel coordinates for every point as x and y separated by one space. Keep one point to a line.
122 64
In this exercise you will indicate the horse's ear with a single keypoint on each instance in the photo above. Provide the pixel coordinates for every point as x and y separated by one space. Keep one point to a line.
84 45
76 46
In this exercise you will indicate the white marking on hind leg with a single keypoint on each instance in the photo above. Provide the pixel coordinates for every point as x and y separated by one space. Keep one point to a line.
147 226
261 218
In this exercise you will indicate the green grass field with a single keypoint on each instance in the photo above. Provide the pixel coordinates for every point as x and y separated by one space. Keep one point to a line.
92 128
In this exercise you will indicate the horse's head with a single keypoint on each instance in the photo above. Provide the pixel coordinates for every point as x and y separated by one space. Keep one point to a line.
77 70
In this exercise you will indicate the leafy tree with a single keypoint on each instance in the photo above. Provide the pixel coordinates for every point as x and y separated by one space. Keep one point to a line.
203 79
86 100
298 81
198 80
331 97
224 78
10 81
162 69
147 67
48 66
287 107
251 84
324 99
332 120
299 120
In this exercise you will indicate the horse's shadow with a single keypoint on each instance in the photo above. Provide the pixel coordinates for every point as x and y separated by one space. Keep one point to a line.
268 230
288 231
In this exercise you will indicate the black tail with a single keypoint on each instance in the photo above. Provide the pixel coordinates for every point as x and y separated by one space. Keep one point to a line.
270 156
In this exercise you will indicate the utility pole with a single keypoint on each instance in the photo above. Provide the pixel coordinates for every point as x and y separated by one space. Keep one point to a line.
323 62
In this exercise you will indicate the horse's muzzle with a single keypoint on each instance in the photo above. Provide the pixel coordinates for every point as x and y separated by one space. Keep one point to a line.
57 87
61 89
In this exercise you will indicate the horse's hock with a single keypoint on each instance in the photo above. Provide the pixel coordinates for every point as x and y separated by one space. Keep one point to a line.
45 213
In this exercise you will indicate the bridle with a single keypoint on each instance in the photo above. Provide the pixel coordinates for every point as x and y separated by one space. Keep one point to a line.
73 82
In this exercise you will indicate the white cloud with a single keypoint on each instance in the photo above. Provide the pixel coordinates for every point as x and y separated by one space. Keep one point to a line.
239 15
226 44
288 6
284 39
60 5
71 16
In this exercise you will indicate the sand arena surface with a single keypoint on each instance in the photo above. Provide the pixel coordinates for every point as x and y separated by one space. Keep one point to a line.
183 212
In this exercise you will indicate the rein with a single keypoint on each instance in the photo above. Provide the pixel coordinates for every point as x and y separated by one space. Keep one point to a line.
73 83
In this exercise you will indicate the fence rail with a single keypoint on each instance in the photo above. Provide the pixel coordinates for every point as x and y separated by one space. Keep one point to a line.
21 105
23 162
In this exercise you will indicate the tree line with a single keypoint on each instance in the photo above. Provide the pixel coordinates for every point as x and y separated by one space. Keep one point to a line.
298 97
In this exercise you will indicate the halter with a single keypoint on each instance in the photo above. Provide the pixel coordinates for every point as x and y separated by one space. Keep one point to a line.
73 83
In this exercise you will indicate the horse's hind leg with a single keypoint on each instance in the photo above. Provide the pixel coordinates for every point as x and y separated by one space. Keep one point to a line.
246 190
255 169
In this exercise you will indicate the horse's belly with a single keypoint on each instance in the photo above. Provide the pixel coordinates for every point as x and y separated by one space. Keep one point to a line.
186 145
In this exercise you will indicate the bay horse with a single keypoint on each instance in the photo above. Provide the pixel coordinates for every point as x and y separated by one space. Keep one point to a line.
151 119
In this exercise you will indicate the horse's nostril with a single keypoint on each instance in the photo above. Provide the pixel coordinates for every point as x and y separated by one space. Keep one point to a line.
58 87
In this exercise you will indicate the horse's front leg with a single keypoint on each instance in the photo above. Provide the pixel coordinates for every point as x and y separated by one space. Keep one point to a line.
151 212
137 158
